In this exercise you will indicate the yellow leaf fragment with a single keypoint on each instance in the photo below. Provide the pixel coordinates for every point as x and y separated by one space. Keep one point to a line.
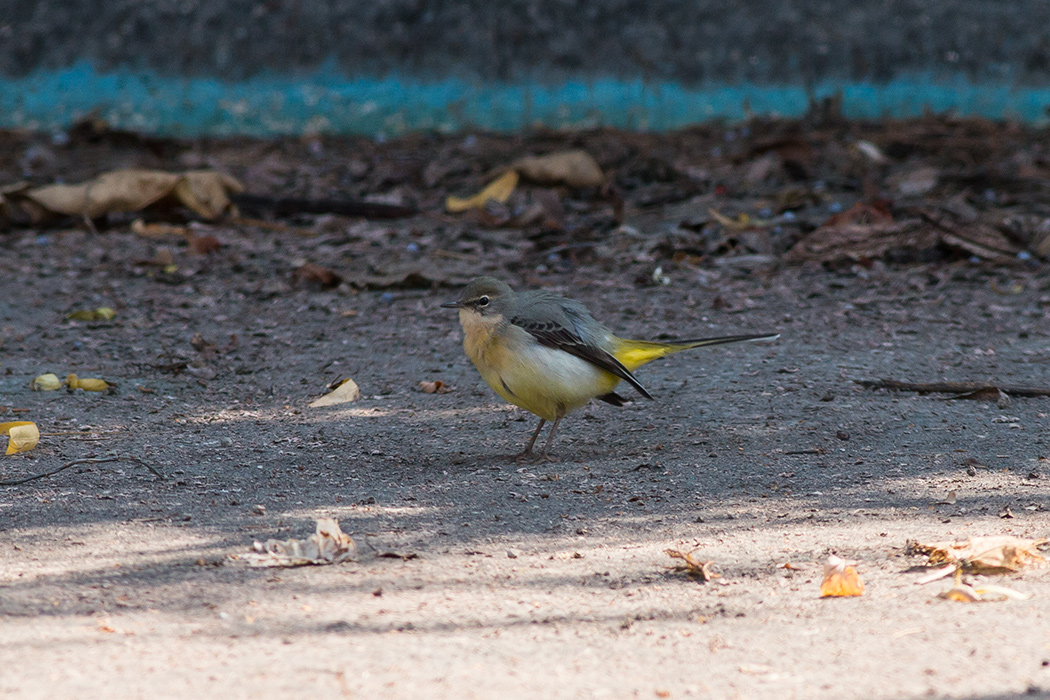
102 313
499 190
46 382
345 392
840 579
86 384
23 436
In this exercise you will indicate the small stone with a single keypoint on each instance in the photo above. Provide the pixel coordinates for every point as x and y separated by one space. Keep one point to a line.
259 510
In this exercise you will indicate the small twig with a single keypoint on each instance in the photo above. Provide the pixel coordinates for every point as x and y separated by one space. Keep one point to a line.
950 387
89 460
811 451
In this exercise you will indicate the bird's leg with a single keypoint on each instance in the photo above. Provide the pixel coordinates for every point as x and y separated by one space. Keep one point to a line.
528 448
550 437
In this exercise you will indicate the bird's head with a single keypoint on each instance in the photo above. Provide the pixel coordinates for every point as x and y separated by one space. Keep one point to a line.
486 296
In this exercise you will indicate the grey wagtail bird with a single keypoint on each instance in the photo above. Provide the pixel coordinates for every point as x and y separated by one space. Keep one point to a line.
548 355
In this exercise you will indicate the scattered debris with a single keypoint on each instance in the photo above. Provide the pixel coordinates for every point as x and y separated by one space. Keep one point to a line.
997 554
690 566
328 545
840 579
949 500
343 391
435 387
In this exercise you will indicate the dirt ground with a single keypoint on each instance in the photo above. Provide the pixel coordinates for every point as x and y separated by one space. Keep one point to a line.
481 577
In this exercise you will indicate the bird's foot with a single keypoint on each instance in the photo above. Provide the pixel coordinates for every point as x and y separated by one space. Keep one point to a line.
530 457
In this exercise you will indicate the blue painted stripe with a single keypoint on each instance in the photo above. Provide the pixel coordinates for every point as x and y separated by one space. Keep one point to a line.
329 102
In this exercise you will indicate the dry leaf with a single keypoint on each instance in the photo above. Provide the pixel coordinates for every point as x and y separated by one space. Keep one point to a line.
202 245
86 384
998 554
22 435
435 387
949 500
205 192
316 274
328 545
156 230
498 190
700 570
840 579
573 168
988 393
343 392
46 382
962 593
102 313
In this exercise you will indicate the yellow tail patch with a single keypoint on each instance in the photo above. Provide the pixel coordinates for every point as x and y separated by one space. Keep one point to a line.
632 354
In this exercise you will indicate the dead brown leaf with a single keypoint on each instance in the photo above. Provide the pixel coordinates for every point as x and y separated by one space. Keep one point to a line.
989 393
310 273
202 245
700 570
435 387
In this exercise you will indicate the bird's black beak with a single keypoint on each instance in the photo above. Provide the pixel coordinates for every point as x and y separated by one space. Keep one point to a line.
451 305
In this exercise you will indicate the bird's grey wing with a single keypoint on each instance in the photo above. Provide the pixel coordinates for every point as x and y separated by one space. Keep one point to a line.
554 327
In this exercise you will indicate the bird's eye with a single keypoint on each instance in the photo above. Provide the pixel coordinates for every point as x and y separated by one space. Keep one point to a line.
483 301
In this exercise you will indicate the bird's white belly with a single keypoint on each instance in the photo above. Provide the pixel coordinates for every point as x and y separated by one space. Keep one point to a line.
549 382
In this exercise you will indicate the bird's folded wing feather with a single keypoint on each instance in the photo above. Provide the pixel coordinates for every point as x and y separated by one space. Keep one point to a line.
561 337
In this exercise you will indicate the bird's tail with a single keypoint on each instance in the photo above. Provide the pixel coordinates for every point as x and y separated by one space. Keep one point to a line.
635 353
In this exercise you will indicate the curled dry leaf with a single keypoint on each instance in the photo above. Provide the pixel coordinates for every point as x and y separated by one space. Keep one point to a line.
700 570
498 190
435 387
22 436
998 554
963 593
46 382
574 168
86 384
328 545
840 579
343 392
102 313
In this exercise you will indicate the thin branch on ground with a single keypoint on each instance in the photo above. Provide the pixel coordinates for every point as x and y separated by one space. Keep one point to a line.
88 460
951 387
